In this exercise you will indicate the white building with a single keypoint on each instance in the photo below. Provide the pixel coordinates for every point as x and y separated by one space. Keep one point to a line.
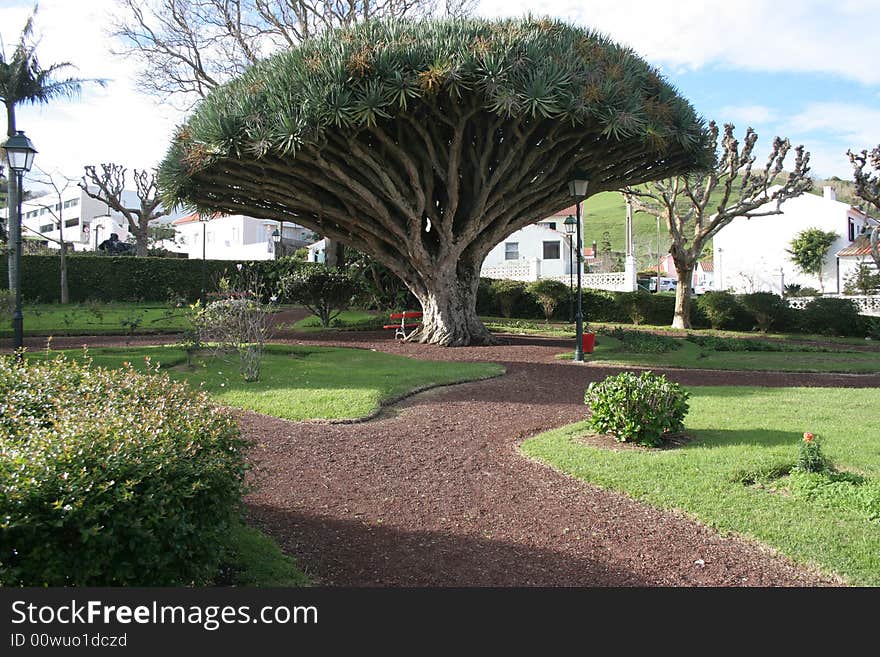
750 255
541 250
84 219
234 237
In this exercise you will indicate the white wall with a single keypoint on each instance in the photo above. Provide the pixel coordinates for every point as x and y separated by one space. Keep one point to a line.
232 237
86 212
750 255
530 242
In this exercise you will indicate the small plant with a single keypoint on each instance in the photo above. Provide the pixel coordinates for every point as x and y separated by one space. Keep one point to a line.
638 409
863 280
325 291
237 321
549 294
810 457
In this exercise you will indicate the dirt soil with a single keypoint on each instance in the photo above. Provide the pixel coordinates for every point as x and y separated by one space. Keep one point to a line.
434 492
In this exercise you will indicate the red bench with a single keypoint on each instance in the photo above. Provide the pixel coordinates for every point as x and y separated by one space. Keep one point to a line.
403 330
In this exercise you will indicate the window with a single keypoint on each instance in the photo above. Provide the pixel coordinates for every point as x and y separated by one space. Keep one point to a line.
511 250
47 228
235 234
852 230
71 203
43 211
551 225
70 223
551 250
209 239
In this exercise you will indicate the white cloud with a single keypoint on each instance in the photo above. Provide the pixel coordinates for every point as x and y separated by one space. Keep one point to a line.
811 36
115 123
746 114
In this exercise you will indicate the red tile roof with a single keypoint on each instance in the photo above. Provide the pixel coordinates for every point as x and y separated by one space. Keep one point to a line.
860 247
193 217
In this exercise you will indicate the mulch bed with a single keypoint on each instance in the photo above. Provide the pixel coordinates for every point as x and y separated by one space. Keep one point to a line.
434 492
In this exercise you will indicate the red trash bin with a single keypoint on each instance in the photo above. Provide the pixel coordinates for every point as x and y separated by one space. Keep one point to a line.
589 341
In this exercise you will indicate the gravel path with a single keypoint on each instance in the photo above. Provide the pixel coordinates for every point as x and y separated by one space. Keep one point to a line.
435 492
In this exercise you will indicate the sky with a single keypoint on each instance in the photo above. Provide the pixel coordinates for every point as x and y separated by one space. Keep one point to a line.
801 69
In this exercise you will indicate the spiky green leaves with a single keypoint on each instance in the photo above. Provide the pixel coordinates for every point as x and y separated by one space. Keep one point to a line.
361 76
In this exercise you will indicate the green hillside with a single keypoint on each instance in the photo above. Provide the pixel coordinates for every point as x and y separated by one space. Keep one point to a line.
607 212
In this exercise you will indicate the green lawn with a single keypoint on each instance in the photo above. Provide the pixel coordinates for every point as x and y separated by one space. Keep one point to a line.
301 382
690 355
256 560
347 320
98 319
730 476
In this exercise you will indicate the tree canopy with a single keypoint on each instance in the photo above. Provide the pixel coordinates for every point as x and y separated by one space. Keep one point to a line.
425 143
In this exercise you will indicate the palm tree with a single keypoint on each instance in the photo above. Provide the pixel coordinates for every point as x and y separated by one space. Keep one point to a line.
23 80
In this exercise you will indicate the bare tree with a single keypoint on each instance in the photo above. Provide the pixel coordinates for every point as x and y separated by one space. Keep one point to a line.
59 184
696 207
868 189
110 184
185 48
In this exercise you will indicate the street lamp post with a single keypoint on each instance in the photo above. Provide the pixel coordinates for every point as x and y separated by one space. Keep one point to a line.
204 259
570 224
276 239
19 158
577 187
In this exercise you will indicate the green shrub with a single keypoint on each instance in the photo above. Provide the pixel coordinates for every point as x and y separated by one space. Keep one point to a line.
721 309
716 343
508 295
769 310
111 477
125 278
642 307
637 409
549 294
831 316
640 342
323 290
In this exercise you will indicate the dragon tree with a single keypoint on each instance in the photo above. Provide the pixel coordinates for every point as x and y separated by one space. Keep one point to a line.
426 143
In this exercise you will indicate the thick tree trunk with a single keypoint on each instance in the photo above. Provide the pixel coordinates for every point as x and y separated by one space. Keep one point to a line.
449 304
682 317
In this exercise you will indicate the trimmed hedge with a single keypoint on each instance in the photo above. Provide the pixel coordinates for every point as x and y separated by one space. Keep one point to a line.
125 278
112 478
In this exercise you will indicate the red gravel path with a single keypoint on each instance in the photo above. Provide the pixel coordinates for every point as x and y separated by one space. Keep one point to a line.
435 492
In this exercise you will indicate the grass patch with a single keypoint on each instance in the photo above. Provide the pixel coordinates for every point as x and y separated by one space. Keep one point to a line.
348 320
745 440
88 318
256 560
613 350
300 383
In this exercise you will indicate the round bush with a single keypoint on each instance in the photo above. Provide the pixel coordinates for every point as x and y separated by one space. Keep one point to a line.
724 311
637 409
111 477
769 310
830 316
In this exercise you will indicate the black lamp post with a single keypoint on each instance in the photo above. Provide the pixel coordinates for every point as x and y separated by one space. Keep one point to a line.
276 240
577 187
570 224
19 158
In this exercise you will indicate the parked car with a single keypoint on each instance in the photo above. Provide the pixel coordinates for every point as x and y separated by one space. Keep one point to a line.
668 284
